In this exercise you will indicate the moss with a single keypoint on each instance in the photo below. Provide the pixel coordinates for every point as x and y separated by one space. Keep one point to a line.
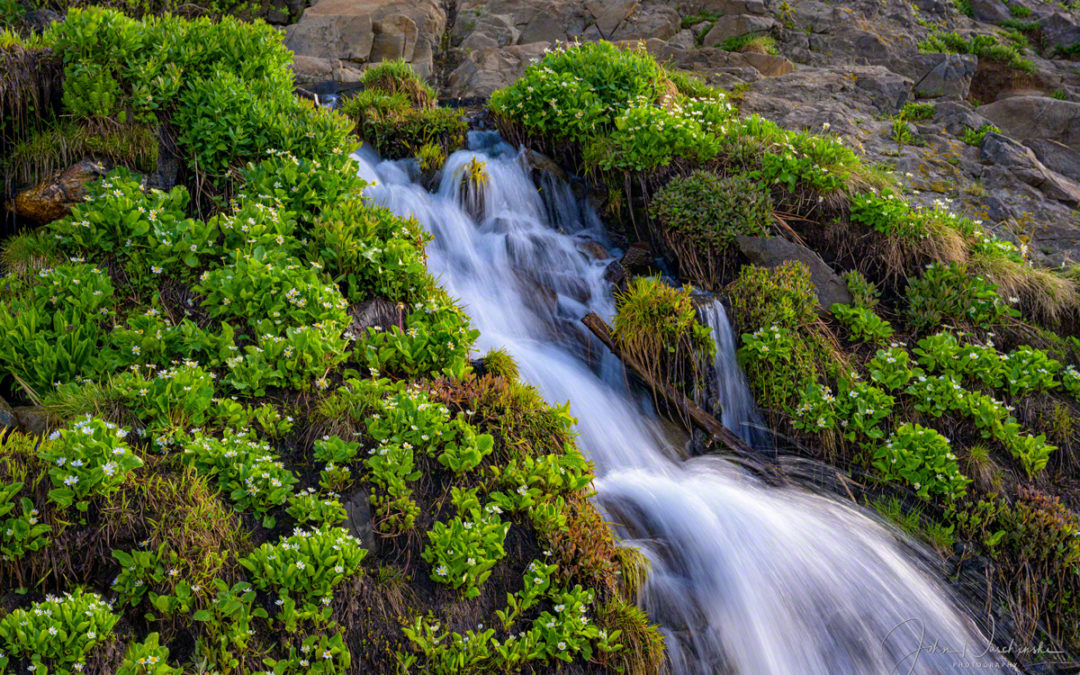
643 646
499 363
57 147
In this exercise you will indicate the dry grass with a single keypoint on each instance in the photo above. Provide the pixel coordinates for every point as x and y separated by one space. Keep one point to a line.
1045 296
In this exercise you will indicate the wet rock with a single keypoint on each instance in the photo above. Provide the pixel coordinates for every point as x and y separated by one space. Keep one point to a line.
637 260
593 249
8 419
734 26
1034 117
1023 164
53 198
33 419
774 251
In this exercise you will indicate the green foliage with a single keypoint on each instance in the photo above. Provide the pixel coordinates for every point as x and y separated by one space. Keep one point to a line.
463 550
964 7
863 324
397 129
58 632
146 658
858 411
947 293
923 459
750 42
20 530
294 188
1019 11
700 216
891 368
307 565
89 459
168 398
649 136
983 46
318 655
864 293
307 506
918 112
975 136
247 470
398 77
52 328
888 214
500 363
782 296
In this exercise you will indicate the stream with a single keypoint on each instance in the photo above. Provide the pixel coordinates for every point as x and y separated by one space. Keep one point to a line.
745 577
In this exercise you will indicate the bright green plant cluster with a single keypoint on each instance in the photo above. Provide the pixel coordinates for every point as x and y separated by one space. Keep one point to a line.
700 216
923 459
975 136
437 339
397 126
947 293
983 46
305 566
318 654
307 506
89 459
169 397
462 550
245 468
858 411
58 632
53 326
888 214
864 293
21 531
863 324
148 657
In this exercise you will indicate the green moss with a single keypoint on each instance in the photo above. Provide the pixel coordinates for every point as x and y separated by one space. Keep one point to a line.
59 146
499 363
700 216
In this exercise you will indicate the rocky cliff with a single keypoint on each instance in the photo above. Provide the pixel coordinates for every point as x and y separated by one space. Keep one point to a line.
974 102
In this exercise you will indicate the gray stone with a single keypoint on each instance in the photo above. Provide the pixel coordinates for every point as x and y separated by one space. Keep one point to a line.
1023 164
608 14
8 419
1057 157
956 116
484 71
951 76
650 21
684 39
735 26
331 37
1060 30
991 11
33 419
1031 117
395 37
358 517
774 251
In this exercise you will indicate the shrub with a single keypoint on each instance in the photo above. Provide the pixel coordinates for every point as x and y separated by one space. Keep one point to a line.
396 129
975 136
398 77
918 112
947 293
21 532
58 632
888 214
648 136
301 185
864 292
89 459
782 296
700 216
657 326
983 46
863 324
923 459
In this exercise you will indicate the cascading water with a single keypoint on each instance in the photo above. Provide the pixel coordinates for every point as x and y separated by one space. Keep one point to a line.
745 578
737 407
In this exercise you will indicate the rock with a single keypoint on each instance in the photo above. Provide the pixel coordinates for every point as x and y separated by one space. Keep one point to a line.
637 260
8 419
774 251
39 19
684 39
1057 157
53 198
1060 30
484 71
951 77
33 419
1034 117
650 21
358 518
362 31
1023 164
956 116
378 313
990 11
591 248
734 26
708 61
722 7
608 14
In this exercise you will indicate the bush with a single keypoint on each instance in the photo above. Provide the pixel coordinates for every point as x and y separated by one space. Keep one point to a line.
923 459
863 324
975 136
700 216
89 459
657 326
983 46
398 77
396 129
781 296
58 632
947 293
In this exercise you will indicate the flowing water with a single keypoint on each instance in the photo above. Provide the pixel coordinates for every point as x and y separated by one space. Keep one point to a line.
745 578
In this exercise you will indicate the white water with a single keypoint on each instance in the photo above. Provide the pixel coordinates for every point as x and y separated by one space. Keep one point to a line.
746 578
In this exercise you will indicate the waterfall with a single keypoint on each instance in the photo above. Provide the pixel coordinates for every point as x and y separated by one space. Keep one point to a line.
745 578
738 411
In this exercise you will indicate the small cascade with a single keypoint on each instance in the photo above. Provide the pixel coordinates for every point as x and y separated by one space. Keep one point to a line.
738 410
746 578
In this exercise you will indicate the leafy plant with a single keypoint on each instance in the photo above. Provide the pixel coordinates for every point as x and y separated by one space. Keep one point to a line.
923 459
89 459
21 532
463 550
146 658
975 136
863 324
947 292
58 632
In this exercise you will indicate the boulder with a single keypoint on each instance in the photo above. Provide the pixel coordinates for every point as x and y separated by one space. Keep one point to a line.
684 39
734 26
608 14
990 11
1057 157
1033 117
53 197
650 21
376 313
33 419
950 76
482 72
637 260
362 31
708 61
774 251
358 518
1060 29
1023 164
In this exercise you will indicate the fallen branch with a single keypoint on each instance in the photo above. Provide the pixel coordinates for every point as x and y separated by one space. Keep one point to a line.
699 416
